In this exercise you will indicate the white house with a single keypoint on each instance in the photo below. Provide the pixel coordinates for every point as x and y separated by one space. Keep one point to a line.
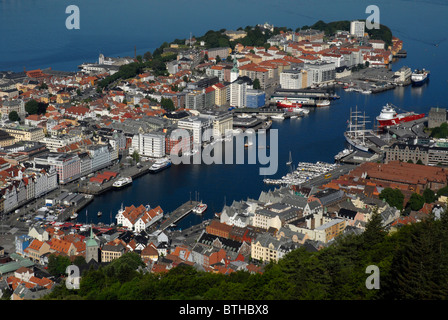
138 218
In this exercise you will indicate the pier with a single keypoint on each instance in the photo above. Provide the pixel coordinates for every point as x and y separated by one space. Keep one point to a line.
178 214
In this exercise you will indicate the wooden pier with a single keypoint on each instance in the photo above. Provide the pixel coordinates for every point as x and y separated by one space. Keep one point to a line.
178 214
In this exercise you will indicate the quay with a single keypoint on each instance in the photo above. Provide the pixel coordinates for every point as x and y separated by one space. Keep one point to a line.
177 214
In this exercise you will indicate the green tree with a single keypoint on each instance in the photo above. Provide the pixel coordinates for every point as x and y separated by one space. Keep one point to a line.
415 202
57 264
168 104
136 156
13 116
429 195
32 106
394 197
256 84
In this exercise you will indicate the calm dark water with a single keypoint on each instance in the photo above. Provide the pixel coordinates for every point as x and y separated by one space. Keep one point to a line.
33 35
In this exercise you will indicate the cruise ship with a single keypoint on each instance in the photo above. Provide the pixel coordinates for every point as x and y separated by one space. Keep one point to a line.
122 182
160 165
389 117
419 77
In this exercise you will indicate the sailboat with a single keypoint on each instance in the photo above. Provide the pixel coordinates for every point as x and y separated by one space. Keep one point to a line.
290 159
356 131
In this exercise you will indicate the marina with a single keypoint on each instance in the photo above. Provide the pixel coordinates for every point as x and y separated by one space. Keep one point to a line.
305 171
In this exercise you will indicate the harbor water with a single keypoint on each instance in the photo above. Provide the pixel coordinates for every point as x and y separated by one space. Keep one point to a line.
33 35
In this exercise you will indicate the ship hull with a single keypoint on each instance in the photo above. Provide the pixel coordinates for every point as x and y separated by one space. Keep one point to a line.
356 145
395 121
155 170
420 82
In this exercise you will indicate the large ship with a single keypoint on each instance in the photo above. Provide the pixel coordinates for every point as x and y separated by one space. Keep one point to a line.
122 182
356 132
288 104
419 77
389 117
160 165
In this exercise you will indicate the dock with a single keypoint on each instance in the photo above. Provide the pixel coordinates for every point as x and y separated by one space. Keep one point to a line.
178 214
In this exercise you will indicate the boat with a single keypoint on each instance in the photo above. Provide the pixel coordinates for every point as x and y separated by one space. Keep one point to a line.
200 208
290 159
160 165
279 116
356 132
323 103
74 216
294 116
389 117
288 104
343 154
122 182
419 77
99 214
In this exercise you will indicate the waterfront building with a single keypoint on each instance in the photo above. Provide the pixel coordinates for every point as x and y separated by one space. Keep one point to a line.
138 218
294 79
100 156
198 125
357 28
149 144
221 121
320 72
436 117
255 98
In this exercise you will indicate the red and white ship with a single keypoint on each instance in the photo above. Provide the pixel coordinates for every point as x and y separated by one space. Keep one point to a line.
288 104
389 117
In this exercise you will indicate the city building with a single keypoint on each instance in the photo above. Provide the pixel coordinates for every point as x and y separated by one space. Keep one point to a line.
149 144
357 28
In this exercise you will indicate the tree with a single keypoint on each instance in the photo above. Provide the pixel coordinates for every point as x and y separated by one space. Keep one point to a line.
429 195
168 104
136 156
415 202
32 106
14 116
57 264
393 197
256 84
218 59
147 56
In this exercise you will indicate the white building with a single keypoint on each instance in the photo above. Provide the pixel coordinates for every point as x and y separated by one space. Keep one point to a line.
238 91
99 155
321 72
149 144
357 28
138 218
294 79
198 125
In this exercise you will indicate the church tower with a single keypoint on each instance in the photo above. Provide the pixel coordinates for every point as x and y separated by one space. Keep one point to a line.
234 73
92 248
